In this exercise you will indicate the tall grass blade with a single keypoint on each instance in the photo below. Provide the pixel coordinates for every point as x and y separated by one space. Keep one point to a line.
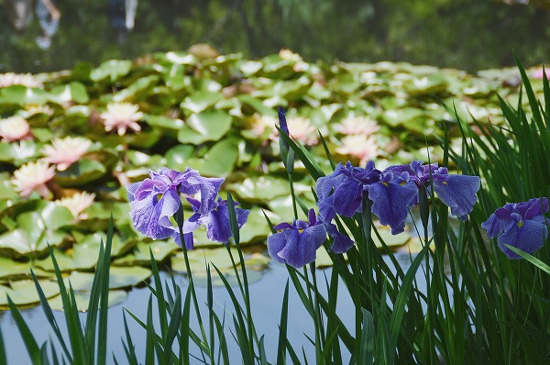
366 348
28 338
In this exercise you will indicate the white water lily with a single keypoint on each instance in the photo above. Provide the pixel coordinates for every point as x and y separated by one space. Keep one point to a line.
66 151
31 110
301 130
33 176
121 116
261 123
77 203
357 125
11 78
359 146
14 128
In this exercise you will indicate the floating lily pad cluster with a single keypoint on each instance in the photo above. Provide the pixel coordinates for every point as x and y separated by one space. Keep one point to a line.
213 113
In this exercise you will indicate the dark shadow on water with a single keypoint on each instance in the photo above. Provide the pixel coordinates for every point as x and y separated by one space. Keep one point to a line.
464 34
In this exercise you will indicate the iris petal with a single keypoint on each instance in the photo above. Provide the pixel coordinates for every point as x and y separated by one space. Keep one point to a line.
391 202
301 247
458 192
529 238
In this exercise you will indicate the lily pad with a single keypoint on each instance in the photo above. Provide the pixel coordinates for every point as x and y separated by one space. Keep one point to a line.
82 256
119 277
389 239
400 117
141 256
164 122
260 188
80 173
209 125
114 69
74 91
83 299
200 101
10 269
23 292
21 95
256 228
18 152
219 160
37 230
137 87
430 84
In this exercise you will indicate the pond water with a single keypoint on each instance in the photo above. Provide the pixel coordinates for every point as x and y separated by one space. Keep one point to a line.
464 34
266 299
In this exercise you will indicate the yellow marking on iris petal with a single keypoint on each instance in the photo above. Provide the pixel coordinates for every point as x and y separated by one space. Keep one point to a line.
403 183
445 183
159 196
385 183
520 224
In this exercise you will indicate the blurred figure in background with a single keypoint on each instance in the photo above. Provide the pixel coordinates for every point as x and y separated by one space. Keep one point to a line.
49 16
122 16
19 13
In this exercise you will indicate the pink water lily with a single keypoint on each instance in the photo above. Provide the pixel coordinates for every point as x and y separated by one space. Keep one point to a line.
77 203
11 78
66 151
33 177
14 128
121 116
359 146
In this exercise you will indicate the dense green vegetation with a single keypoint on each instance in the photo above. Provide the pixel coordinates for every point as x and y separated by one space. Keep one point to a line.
216 115
461 300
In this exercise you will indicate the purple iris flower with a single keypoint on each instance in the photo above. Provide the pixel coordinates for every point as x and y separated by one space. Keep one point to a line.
297 243
521 225
156 199
216 222
282 121
341 192
153 201
392 193
392 197
458 192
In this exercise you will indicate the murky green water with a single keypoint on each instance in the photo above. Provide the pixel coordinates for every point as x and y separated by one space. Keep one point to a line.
464 34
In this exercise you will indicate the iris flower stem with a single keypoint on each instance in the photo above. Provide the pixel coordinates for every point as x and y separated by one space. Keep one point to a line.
245 293
193 293
318 317
291 183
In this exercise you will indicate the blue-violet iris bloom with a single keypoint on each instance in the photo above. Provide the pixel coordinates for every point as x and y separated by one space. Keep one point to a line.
216 222
392 194
392 197
521 225
156 199
458 192
298 241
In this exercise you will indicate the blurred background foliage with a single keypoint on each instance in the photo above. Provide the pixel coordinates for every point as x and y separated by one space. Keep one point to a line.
465 34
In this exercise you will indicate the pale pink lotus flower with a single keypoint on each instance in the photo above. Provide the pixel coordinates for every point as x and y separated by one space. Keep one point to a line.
121 116
539 74
33 176
261 123
11 78
299 64
77 203
359 146
66 151
300 130
14 128
31 110
357 125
